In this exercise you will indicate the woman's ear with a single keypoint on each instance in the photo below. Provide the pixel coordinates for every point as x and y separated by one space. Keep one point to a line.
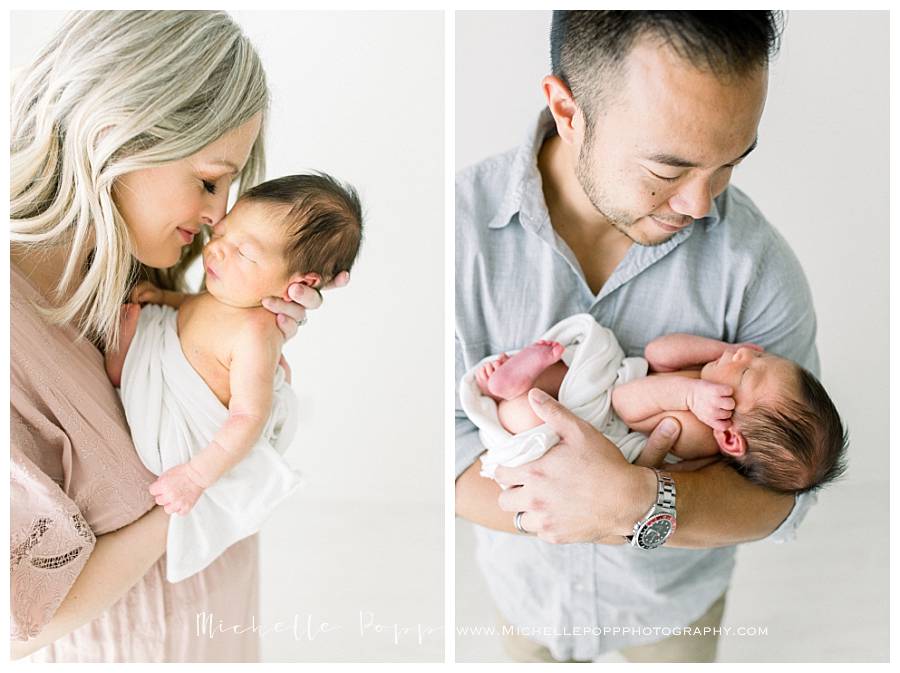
309 279
731 441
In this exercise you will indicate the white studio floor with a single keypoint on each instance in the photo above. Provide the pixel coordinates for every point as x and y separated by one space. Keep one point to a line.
359 588
823 597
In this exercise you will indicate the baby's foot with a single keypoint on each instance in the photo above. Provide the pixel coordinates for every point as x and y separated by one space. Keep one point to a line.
115 360
518 373
483 375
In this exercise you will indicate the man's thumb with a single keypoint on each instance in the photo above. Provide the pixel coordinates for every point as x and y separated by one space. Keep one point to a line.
550 411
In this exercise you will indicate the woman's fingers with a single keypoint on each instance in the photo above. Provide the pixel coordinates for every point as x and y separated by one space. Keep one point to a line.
306 296
340 280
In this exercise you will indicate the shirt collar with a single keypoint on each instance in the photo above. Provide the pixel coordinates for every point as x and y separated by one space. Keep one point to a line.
524 190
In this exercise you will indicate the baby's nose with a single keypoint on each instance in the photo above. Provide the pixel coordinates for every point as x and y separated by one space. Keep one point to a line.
743 353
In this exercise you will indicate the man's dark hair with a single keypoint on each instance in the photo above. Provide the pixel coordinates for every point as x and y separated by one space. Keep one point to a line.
587 48
797 445
324 221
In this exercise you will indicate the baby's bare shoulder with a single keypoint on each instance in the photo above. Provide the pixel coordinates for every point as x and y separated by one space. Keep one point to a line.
258 324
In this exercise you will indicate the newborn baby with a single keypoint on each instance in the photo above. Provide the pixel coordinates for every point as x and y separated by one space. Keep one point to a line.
300 228
768 416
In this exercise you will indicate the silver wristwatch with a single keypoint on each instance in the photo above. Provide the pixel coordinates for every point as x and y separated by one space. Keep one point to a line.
658 524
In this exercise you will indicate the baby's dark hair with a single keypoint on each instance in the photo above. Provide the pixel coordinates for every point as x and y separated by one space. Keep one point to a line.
324 221
798 447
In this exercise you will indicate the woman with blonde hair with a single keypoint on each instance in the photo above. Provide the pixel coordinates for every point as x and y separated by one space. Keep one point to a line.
126 134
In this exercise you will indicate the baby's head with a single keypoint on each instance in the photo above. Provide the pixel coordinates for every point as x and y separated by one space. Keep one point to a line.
786 433
295 229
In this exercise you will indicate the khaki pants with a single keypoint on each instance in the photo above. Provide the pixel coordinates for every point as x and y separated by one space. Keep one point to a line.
681 648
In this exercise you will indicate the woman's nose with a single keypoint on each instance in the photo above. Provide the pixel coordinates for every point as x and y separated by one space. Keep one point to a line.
214 208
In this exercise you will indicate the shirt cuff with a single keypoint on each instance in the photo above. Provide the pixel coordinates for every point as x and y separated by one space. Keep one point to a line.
468 445
787 531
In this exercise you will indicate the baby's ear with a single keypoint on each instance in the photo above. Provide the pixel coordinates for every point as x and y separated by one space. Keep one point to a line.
310 279
731 441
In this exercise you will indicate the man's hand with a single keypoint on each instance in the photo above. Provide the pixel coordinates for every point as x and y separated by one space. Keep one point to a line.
583 489
712 403
177 489
289 314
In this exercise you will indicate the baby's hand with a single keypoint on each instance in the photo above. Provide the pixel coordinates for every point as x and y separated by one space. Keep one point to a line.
146 292
712 403
177 489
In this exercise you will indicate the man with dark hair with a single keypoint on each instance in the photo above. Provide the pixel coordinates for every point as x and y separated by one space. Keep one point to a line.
619 206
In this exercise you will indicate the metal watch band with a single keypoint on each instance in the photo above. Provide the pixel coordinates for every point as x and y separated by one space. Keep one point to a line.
664 506
665 495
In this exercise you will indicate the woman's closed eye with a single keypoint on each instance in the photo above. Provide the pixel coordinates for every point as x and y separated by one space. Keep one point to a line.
209 186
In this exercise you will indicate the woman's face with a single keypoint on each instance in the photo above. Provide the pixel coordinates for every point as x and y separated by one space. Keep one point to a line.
165 207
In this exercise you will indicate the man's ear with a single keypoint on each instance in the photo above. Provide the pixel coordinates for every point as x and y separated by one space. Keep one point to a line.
310 279
568 118
731 441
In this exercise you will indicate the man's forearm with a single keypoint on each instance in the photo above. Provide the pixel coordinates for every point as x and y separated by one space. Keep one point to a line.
476 500
717 507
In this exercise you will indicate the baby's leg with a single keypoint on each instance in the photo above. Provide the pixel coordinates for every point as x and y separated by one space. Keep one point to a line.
115 360
518 374
516 415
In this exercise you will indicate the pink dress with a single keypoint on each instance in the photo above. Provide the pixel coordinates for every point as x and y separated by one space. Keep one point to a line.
74 474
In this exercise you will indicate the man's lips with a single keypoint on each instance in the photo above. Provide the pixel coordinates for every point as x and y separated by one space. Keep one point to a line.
668 226
187 235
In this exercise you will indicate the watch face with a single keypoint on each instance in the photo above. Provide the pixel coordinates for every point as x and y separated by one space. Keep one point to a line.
656 531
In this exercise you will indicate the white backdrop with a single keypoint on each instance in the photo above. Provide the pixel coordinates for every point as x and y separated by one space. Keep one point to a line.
820 175
358 95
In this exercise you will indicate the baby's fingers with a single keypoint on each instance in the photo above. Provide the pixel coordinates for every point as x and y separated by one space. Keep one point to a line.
726 403
720 424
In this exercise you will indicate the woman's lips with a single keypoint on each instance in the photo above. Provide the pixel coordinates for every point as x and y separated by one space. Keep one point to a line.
186 235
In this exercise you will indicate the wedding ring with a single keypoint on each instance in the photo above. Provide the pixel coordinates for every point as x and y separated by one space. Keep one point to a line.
517 522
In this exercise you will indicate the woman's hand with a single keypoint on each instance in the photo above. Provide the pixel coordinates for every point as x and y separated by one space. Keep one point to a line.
290 314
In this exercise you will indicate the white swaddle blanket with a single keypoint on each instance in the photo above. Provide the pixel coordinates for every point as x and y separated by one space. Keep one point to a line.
173 415
596 365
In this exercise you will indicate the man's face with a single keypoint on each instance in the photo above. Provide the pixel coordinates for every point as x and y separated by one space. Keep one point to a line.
666 142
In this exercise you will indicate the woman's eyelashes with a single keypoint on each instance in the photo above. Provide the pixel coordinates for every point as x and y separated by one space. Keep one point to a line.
209 186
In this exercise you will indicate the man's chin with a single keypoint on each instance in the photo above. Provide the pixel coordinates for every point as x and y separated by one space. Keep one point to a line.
637 233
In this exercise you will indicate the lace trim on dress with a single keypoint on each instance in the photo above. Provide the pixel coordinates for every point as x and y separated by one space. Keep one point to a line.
38 529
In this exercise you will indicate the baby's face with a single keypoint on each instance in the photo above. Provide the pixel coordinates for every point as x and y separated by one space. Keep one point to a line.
244 259
755 377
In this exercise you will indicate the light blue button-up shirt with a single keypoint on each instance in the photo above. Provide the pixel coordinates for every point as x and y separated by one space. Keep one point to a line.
728 276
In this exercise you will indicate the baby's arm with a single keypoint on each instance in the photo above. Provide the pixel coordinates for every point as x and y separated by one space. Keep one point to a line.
674 352
146 292
637 401
252 368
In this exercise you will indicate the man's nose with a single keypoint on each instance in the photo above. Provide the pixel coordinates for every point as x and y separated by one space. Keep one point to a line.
693 199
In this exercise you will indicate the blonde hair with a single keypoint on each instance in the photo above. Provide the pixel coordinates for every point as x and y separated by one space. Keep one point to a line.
114 92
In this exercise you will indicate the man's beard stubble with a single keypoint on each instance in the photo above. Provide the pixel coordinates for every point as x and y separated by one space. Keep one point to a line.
621 220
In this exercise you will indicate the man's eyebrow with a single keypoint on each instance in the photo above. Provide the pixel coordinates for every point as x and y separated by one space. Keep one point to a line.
678 162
